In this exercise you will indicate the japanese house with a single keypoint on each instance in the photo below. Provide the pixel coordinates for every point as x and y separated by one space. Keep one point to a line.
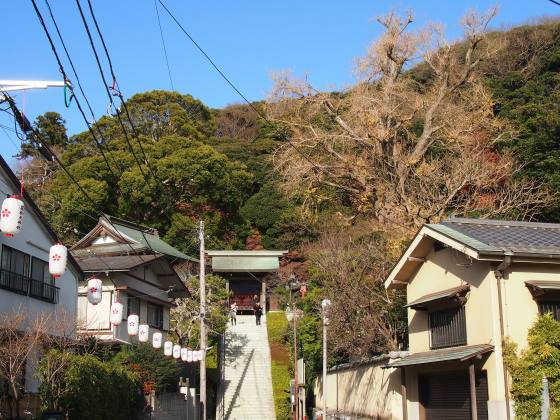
247 274
137 268
469 284
25 282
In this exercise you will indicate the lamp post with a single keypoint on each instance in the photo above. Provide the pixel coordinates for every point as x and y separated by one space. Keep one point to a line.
325 304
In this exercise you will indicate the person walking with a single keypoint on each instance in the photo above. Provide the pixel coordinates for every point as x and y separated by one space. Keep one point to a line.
258 312
233 313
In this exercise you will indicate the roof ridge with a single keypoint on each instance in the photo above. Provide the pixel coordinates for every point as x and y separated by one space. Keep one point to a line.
133 225
498 222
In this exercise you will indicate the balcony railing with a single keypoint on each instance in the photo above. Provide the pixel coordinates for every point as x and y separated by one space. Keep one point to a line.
27 286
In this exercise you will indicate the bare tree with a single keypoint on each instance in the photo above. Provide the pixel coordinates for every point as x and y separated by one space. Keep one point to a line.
20 336
185 314
412 141
365 318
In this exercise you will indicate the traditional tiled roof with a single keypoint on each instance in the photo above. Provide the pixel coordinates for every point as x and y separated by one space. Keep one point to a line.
504 236
95 263
130 238
147 238
461 353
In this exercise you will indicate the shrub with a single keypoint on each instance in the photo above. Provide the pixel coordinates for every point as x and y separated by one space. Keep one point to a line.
88 388
541 358
277 326
150 369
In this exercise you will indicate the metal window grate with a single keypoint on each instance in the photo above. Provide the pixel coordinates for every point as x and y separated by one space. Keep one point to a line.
448 328
24 285
550 306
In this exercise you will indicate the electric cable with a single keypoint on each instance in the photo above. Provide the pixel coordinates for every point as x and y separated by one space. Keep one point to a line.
164 47
73 180
76 77
61 68
105 85
118 89
220 72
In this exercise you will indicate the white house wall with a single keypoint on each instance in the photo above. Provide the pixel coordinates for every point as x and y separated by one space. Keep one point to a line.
35 240
95 319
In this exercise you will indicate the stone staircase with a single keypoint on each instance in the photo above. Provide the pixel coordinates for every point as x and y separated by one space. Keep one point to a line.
248 381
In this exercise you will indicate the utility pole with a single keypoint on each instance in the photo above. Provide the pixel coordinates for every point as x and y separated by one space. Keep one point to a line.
203 345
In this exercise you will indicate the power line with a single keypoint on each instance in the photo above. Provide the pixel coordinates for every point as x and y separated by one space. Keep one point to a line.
257 111
100 67
119 93
47 146
220 72
74 71
555 2
163 43
61 68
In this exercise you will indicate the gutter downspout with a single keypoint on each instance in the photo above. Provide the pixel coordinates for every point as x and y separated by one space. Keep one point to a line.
499 274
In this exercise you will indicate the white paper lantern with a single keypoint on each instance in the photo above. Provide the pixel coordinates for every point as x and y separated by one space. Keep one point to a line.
168 348
156 340
11 215
132 324
58 256
200 355
176 351
195 356
143 333
184 352
116 313
94 290
189 356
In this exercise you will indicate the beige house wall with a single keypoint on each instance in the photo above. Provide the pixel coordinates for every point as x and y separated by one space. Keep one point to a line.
442 270
367 390
520 308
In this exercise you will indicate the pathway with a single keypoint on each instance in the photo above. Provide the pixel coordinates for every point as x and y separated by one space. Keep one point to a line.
248 380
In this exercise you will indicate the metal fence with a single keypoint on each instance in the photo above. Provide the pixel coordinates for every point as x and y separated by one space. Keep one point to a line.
171 406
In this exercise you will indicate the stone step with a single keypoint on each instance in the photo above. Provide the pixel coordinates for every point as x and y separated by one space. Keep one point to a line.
248 387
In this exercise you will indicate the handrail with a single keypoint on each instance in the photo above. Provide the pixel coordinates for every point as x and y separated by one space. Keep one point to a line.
221 387
25 285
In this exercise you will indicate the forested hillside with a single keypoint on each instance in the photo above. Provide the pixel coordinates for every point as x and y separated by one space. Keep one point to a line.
342 179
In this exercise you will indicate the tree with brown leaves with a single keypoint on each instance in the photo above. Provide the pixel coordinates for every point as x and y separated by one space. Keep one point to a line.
413 141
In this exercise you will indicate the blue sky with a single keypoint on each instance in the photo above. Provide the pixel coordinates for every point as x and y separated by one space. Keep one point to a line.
248 39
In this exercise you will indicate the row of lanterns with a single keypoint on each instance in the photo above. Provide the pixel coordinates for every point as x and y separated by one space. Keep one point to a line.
134 328
11 219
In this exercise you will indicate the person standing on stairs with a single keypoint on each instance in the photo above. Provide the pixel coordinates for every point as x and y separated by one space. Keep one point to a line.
258 312
233 313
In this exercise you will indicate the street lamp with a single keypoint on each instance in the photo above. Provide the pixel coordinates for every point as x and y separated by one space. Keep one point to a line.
325 305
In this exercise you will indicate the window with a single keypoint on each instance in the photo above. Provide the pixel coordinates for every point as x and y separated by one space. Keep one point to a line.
15 270
133 306
448 328
40 271
23 274
15 261
552 307
155 316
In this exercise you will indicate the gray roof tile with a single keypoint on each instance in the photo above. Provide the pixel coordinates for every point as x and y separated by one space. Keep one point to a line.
502 235
442 355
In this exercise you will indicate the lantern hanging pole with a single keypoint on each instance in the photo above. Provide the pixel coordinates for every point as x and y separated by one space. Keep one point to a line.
203 344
